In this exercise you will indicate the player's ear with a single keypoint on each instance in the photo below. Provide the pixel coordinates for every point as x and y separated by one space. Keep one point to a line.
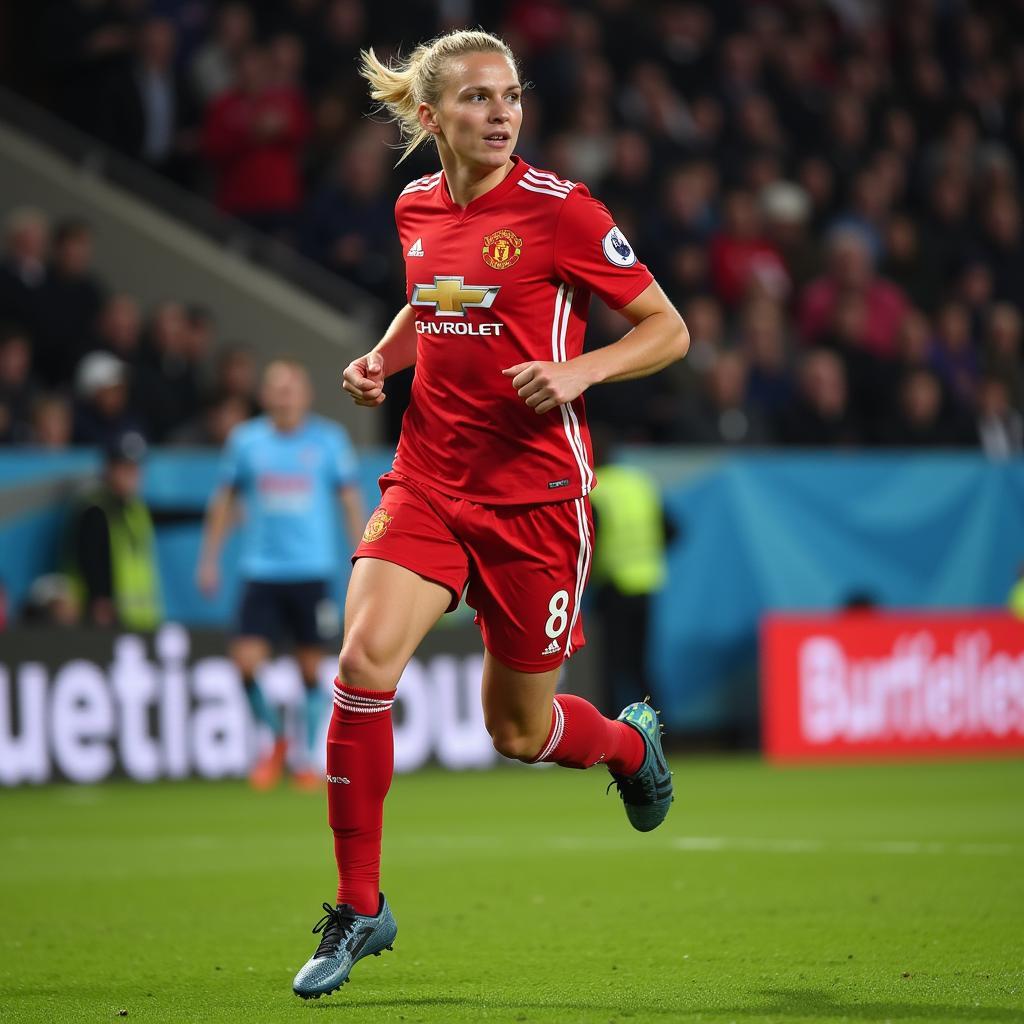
428 119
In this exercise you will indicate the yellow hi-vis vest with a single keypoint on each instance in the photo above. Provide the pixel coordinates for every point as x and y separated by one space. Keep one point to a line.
1016 600
133 569
629 550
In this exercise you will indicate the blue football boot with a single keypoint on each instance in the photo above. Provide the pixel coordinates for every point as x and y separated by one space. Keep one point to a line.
647 794
345 938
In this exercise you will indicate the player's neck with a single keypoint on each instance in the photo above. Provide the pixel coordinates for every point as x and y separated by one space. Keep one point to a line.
469 182
287 425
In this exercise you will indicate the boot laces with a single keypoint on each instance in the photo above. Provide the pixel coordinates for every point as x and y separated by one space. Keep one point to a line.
336 926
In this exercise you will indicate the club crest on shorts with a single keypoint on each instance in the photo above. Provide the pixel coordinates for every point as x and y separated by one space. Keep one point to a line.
502 249
377 526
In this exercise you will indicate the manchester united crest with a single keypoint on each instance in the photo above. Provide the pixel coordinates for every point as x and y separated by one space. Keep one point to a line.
502 249
377 526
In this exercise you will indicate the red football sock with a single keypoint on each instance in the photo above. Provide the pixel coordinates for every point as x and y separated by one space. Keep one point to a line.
360 763
581 737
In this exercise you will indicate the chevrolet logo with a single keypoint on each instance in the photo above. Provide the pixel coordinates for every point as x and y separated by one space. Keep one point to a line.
450 297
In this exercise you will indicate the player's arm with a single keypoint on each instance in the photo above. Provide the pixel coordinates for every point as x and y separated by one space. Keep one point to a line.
221 515
364 377
659 337
351 502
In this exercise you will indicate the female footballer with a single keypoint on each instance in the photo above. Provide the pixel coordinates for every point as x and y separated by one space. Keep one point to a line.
488 492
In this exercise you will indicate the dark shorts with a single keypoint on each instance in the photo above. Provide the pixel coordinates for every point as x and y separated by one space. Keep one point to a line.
300 610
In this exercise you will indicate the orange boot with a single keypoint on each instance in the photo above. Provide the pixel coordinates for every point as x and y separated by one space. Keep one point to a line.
267 772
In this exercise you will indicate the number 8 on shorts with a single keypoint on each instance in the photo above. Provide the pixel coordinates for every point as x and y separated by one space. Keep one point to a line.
559 618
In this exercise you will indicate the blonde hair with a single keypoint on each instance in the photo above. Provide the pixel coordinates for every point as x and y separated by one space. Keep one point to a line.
400 87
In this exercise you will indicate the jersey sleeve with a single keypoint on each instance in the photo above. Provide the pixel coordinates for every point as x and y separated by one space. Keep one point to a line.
591 252
232 469
344 466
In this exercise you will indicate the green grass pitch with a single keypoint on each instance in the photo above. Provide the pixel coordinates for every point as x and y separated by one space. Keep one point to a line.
868 893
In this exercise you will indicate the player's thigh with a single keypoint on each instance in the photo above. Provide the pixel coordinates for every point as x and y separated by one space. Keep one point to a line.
258 624
517 706
409 569
309 613
388 611
530 566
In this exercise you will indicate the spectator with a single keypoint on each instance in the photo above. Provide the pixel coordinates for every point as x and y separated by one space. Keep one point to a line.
821 415
947 230
148 111
762 339
51 422
200 334
907 265
705 321
723 415
111 545
921 419
332 41
119 329
741 256
347 223
168 379
23 269
1005 247
102 412
1002 355
235 376
786 208
17 388
212 71
286 58
1000 426
850 270
629 173
211 427
953 354
253 135
86 42
73 296
865 372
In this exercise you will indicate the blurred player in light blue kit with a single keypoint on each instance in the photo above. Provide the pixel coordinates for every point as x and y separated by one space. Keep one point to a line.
290 471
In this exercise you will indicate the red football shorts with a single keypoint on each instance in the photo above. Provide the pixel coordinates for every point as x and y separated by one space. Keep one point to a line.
525 565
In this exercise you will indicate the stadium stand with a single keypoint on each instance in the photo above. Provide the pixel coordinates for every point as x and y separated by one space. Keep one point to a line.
828 190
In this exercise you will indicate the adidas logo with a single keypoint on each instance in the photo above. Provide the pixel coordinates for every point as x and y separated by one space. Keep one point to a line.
416 249
339 778
552 648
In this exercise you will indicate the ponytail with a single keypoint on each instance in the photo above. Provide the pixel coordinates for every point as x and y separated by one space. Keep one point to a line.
400 87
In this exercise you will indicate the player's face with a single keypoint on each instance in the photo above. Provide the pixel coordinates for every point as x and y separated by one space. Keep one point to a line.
480 112
286 394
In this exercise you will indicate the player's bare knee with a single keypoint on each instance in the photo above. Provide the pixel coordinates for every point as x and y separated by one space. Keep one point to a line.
514 743
359 665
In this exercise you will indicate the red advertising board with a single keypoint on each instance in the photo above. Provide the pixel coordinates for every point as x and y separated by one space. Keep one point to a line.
891 685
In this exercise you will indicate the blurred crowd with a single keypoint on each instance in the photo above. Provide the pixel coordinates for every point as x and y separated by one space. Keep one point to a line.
83 364
828 189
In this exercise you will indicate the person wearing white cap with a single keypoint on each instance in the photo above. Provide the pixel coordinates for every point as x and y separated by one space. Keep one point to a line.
102 410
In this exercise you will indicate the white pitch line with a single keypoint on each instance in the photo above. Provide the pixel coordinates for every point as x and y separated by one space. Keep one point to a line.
692 844
719 844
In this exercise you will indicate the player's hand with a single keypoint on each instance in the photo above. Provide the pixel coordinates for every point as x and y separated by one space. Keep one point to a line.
208 578
363 379
545 386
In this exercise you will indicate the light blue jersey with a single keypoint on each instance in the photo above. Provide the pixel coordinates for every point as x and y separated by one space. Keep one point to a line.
288 483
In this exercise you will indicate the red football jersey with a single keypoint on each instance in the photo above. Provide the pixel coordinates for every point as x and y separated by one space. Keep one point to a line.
506 280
